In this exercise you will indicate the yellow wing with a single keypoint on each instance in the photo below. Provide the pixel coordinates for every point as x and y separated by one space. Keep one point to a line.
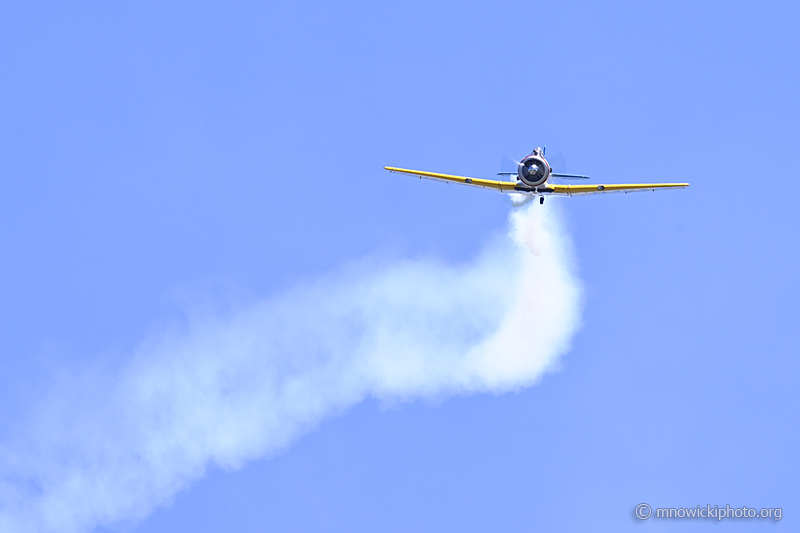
544 189
572 190
502 186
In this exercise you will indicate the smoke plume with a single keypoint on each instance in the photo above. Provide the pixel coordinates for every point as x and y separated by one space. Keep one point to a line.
113 445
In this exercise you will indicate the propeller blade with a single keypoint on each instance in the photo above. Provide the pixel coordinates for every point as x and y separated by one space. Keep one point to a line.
508 166
557 162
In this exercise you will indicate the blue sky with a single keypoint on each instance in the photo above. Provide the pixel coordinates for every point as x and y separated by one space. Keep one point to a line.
160 161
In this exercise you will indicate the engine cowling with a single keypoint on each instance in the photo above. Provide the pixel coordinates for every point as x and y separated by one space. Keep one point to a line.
533 170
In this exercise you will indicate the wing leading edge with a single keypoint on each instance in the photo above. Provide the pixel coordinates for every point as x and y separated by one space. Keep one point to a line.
574 190
502 186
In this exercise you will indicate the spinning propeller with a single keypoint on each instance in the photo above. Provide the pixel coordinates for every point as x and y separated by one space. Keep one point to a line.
510 167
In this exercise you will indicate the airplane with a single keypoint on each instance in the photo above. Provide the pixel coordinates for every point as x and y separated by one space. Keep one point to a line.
534 176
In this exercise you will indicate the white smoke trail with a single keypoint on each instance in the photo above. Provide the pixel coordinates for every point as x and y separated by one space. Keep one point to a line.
113 446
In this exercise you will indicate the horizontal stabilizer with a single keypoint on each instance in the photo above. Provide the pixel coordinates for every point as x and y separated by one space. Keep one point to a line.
569 176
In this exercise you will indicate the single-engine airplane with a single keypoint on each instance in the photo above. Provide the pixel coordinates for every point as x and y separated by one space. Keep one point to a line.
533 178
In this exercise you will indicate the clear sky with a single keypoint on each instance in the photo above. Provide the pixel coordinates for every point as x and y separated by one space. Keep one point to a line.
164 160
